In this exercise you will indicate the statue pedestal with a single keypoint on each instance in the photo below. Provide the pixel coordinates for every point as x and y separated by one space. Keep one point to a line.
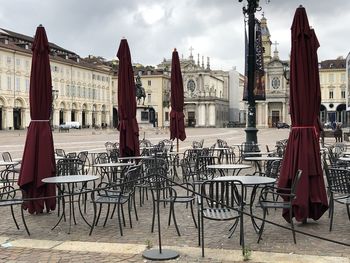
143 117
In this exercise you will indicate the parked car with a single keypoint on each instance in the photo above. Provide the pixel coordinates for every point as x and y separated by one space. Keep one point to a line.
281 125
64 126
70 125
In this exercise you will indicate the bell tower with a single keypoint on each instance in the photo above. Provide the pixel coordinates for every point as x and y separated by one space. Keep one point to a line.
266 40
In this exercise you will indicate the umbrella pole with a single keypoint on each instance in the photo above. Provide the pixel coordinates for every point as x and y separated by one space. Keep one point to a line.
159 254
177 145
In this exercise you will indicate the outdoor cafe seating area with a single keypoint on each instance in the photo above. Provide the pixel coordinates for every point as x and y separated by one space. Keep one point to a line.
203 184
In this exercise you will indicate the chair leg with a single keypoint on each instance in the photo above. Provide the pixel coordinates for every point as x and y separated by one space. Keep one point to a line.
202 235
107 214
192 213
199 226
174 218
94 220
292 224
332 212
129 211
123 216
153 214
24 221
119 221
99 214
134 203
348 209
13 216
262 225
170 213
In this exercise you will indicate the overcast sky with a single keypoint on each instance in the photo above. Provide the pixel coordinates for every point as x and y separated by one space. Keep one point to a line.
214 28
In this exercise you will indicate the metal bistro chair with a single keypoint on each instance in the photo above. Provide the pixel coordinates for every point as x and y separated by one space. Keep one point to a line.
14 169
163 191
288 194
116 194
221 201
339 189
8 198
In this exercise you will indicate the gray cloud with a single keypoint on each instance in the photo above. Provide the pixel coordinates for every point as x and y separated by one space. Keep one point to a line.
153 28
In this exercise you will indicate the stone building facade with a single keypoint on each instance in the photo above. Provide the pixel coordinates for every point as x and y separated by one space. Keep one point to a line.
83 89
333 90
276 106
206 92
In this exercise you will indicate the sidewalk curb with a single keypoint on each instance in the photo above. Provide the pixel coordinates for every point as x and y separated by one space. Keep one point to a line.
186 253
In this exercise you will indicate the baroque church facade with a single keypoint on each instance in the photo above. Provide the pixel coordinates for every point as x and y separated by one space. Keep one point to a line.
276 106
206 92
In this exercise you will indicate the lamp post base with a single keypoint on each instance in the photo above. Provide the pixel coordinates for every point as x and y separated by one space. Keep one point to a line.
154 254
251 134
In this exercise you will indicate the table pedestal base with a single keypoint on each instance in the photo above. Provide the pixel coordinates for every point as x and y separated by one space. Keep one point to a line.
154 254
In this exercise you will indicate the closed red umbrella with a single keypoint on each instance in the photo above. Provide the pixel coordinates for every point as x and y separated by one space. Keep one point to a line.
303 149
128 127
177 125
38 161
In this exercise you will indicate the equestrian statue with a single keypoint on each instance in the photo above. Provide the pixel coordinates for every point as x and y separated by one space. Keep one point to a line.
140 91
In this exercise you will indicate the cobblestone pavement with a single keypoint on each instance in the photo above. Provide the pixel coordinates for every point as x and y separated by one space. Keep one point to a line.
16 246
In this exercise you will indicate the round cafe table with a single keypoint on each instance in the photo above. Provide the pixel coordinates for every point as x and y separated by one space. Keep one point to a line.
252 181
70 181
111 169
235 167
258 159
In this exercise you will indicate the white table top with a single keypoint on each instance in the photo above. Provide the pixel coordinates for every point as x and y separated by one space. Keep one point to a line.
248 180
256 153
141 157
263 158
69 179
174 153
8 163
228 166
343 158
112 164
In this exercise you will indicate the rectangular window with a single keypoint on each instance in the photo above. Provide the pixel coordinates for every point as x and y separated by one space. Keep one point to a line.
342 77
144 115
149 83
166 116
27 85
18 84
149 98
27 64
9 83
331 77
343 94
331 94
8 60
67 90
18 62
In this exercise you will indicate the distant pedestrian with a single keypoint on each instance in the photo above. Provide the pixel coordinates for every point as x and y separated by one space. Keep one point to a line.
338 133
334 125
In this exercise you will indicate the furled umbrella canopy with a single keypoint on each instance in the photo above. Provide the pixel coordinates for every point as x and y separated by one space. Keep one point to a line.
303 149
128 127
177 125
38 161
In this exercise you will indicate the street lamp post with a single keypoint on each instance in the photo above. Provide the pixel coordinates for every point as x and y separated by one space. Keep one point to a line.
251 130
